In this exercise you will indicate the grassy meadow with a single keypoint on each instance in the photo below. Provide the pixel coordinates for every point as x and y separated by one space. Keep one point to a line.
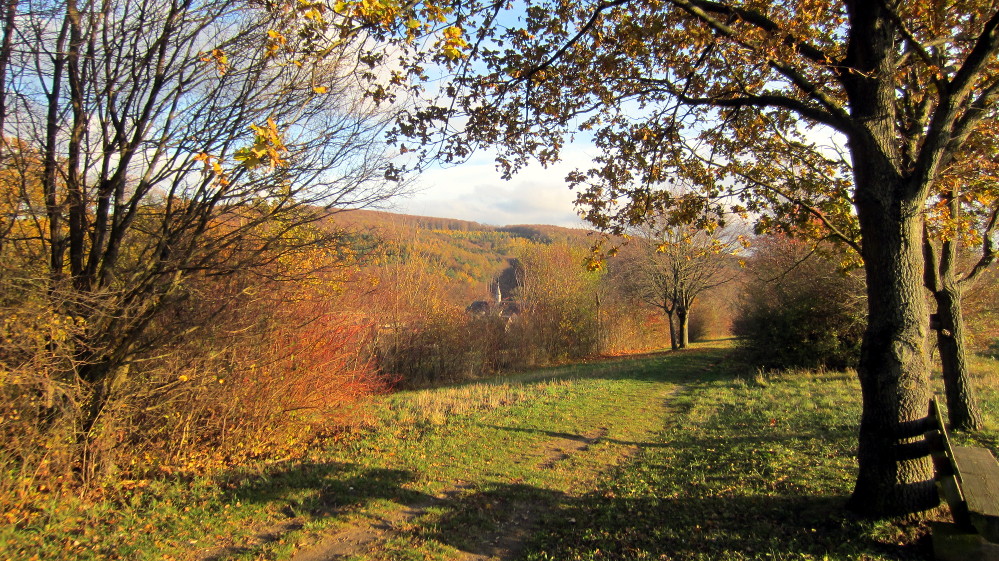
685 455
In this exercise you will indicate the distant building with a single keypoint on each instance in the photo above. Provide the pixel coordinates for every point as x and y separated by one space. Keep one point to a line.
508 309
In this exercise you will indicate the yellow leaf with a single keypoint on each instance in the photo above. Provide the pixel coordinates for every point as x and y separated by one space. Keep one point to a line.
314 15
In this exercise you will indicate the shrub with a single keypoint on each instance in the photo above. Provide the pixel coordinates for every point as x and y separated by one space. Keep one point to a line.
241 367
798 309
559 297
257 381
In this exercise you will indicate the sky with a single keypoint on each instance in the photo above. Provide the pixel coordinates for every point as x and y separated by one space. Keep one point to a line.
475 191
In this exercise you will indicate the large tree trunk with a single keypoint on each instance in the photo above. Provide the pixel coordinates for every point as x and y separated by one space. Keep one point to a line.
961 405
895 475
894 472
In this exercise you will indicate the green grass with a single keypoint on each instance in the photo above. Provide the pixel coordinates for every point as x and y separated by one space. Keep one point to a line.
749 468
698 458
745 469
984 371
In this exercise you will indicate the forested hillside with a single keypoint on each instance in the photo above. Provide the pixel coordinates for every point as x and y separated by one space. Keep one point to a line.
469 253
454 299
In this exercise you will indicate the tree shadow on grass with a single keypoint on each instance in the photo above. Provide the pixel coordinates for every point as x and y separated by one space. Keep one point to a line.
309 490
704 443
604 526
496 520
320 489
681 499
513 521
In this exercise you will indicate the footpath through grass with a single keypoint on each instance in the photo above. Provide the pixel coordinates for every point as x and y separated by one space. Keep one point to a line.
674 456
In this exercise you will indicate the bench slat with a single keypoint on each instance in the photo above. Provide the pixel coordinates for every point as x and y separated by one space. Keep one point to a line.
979 474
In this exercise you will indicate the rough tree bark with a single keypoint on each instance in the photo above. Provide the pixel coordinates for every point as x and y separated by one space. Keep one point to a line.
893 477
893 369
962 408
948 290
674 341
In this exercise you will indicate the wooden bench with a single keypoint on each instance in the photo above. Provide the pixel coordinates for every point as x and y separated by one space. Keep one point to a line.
968 479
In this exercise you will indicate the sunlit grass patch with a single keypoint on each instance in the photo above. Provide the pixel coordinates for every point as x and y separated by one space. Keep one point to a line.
984 374
437 406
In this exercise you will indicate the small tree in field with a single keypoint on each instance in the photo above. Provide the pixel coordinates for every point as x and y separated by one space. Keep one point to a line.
674 265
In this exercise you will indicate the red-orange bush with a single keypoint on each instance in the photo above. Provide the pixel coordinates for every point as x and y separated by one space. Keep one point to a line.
260 378
236 367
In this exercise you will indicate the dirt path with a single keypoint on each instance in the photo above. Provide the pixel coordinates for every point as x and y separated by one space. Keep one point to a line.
521 518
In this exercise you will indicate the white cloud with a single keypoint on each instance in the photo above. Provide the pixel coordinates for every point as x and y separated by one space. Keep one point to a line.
475 191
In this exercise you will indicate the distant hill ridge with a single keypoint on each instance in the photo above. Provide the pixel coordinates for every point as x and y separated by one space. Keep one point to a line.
545 233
